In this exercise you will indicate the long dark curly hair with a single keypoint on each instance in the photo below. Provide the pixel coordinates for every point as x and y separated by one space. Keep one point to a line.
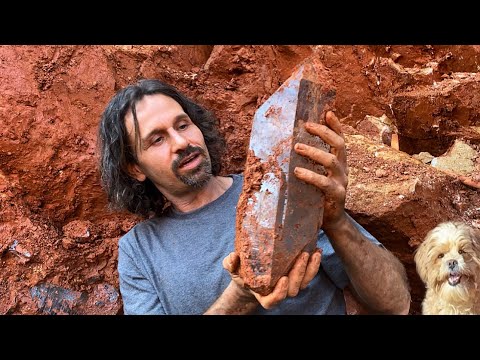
116 153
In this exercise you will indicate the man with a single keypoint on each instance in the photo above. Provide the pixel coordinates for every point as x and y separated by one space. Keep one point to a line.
160 156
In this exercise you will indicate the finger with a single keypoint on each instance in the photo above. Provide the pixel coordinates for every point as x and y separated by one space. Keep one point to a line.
278 294
327 134
312 268
331 189
336 141
295 276
231 263
329 161
333 122
311 177
340 150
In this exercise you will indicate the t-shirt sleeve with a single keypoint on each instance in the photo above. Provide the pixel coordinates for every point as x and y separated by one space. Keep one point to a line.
331 262
138 295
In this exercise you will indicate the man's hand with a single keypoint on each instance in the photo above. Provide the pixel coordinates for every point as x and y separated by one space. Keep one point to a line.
334 184
376 265
303 271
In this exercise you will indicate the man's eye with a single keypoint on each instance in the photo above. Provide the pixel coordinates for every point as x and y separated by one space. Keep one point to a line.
183 126
157 140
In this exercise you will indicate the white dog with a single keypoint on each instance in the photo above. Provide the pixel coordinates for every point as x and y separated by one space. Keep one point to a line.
448 262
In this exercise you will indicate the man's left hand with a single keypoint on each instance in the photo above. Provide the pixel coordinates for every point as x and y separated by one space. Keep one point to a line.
334 183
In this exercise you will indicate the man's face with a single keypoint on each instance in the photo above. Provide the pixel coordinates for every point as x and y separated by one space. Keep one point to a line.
172 153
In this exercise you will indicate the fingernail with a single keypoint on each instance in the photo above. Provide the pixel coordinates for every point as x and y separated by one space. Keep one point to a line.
300 146
305 256
298 171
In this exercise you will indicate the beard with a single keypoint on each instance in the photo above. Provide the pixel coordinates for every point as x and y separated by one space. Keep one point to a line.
198 176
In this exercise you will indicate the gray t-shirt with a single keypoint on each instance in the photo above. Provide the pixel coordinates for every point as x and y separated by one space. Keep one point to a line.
173 264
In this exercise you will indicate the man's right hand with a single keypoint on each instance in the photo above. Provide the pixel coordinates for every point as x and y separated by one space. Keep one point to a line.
303 271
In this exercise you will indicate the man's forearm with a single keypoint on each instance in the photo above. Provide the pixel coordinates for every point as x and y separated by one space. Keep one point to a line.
376 275
233 301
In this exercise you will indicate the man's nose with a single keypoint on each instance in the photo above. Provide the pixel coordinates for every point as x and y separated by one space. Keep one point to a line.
452 264
178 142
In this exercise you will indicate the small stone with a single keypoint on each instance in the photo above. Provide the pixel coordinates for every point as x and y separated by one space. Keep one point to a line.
381 173
424 157
68 243
78 230
55 300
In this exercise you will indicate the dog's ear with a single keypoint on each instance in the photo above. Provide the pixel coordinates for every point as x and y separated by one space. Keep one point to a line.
421 260
475 237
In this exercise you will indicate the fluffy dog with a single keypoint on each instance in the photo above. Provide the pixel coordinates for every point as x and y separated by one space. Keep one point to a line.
448 262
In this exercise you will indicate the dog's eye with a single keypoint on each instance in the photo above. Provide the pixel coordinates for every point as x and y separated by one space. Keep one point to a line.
461 252
440 256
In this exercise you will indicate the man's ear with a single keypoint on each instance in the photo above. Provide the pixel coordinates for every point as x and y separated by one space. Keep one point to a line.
135 172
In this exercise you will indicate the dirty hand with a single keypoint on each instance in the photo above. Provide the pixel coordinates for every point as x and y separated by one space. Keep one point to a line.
334 184
303 271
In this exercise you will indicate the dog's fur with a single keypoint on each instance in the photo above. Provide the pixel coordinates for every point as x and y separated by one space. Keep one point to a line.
448 262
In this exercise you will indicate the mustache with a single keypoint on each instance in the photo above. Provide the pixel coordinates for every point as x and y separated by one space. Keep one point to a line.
188 151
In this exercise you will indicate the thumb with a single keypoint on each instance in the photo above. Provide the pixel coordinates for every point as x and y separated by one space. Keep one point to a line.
231 262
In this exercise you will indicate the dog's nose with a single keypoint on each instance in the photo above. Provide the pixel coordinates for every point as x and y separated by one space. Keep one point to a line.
452 264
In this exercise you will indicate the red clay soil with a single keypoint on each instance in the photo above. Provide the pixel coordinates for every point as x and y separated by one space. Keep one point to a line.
58 240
